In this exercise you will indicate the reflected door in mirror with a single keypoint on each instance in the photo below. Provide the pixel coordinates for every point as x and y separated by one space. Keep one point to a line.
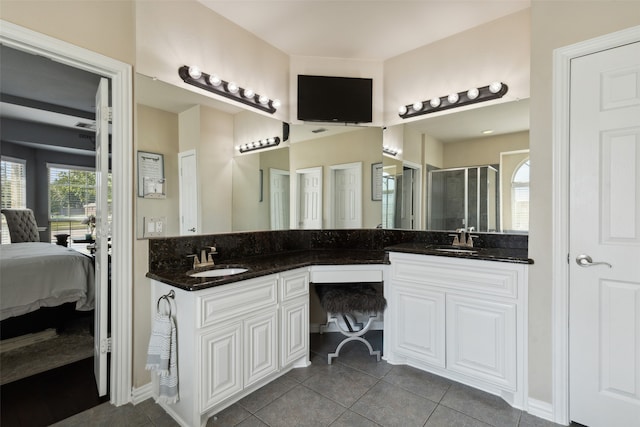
279 198
188 193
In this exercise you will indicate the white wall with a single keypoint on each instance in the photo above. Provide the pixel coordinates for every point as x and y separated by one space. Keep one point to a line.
498 50
554 24
170 34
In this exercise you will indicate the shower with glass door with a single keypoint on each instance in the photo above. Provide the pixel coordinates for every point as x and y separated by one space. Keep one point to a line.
463 198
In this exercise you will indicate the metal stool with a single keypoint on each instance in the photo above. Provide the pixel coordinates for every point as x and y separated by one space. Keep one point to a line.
341 302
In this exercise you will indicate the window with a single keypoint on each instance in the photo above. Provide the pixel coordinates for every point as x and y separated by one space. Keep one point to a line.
72 200
520 197
14 188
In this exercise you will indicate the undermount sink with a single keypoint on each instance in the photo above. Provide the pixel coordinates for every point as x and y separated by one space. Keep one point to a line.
454 249
219 272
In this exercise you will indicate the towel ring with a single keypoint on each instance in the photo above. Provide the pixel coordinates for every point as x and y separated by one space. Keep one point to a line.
166 297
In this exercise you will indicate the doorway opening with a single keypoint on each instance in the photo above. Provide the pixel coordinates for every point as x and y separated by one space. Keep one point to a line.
119 73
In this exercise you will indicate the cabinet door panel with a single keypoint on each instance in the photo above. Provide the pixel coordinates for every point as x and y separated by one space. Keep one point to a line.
481 339
295 330
260 350
221 369
419 326
293 285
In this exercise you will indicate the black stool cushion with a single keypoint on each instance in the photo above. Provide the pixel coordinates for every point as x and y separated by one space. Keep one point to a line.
361 298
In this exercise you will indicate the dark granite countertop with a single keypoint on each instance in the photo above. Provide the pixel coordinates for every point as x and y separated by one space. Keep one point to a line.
263 265
512 255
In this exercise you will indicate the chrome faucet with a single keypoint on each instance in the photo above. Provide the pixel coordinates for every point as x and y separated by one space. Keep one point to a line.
463 237
206 259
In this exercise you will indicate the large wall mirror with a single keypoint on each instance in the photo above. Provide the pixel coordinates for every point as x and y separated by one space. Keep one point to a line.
461 169
467 169
319 176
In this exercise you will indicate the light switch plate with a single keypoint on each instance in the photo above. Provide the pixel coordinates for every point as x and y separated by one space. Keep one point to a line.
154 226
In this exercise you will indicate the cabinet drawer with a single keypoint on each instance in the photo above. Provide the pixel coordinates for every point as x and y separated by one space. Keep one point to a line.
486 277
293 285
346 276
237 299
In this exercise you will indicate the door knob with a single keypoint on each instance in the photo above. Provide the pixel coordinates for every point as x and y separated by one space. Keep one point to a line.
585 261
192 229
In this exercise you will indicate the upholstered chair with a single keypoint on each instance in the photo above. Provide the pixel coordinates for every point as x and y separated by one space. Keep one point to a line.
343 303
22 225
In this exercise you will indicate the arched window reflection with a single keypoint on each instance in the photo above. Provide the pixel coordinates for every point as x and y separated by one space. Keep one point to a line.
520 197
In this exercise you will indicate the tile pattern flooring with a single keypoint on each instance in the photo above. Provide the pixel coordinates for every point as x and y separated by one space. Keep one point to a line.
354 391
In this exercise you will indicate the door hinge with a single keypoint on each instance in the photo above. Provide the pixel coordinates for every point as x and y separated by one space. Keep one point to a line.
105 345
568 259
109 114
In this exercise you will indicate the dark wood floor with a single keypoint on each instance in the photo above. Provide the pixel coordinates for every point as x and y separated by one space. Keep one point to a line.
46 398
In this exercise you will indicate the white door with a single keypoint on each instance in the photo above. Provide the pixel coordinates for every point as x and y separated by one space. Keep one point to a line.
188 165
309 198
407 203
279 198
347 195
103 226
604 258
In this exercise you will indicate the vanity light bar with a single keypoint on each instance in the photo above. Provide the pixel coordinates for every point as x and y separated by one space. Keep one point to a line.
259 145
390 151
231 90
486 93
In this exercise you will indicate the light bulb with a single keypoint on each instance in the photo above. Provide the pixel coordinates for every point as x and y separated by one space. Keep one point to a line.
271 140
402 110
495 87
276 103
264 100
195 73
435 102
232 87
417 106
214 80
248 93
473 93
453 98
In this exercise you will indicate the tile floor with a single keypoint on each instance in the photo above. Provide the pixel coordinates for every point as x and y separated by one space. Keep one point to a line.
354 391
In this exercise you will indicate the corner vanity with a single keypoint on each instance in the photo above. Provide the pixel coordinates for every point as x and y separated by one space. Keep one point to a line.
458 315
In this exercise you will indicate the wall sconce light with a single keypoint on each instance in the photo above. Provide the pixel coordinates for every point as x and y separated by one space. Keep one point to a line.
231 90
259 145
390 151
486 93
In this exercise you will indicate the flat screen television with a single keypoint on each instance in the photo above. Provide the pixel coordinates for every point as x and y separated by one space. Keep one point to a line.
334 99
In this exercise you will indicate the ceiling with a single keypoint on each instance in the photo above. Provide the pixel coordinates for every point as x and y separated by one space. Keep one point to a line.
38 90
359 29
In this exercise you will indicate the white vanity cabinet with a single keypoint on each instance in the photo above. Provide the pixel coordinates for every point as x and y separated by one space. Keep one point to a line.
235 338
294 316
460 318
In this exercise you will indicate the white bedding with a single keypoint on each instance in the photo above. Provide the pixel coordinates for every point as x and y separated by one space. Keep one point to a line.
34 275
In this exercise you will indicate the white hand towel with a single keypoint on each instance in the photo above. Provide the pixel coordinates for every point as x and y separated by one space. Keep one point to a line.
162 357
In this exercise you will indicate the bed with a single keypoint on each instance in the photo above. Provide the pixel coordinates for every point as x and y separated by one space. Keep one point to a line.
35 276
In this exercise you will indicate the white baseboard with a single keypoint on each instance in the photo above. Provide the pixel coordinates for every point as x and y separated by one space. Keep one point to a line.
140 394
314 328
540 409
